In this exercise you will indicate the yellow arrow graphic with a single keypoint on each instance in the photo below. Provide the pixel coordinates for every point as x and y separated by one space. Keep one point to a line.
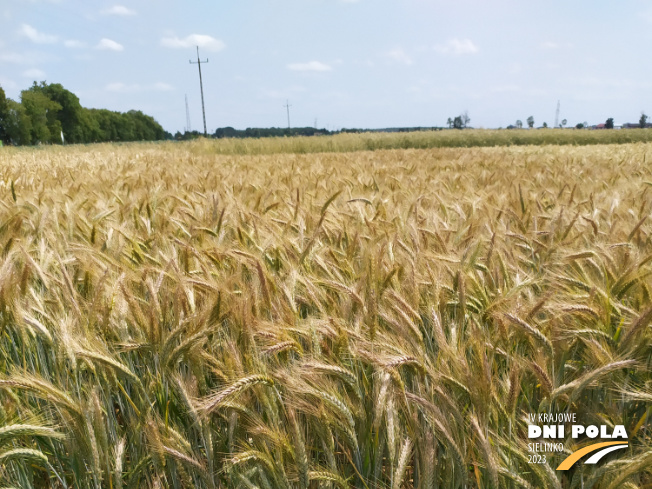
575 456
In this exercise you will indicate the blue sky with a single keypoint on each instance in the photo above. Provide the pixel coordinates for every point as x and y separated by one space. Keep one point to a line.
340 63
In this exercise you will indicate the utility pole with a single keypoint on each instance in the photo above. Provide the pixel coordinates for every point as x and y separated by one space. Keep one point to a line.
287 106
557 115
201 87
188 128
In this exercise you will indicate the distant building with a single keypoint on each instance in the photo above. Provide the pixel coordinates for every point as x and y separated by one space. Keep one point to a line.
636 125
604 126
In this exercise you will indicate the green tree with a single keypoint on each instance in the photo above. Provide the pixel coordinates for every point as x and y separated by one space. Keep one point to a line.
126 127
107 124
70 115
519 124
465 119
42 112
530 122
17 124
91 133
145 127
4 114
47 110
642 122
609 124
458 123
228 132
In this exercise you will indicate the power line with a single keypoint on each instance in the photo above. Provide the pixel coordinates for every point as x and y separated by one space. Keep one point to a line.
201 87
287 106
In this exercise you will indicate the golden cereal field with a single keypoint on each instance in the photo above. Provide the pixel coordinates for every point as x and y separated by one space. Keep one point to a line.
171 317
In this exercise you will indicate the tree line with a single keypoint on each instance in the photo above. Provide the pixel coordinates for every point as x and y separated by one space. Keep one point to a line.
266 132
50 114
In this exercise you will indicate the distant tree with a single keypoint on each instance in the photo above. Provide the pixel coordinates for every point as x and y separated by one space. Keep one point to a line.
126 127
226 132
17 124
519 124
91 132
530 122
642 122
458 123
609 124
145 128
48 110
4 114
450 123
579 125
563 122
71 113
465 119
42 112
545 125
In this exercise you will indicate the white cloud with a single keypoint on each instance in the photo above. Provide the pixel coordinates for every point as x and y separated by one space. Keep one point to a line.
110 45
162 87
13 58
283 94
118 10
34 73
202 40
26 58
120 87
116 87
400 56
550 45
457 47
73 44
309 66
35 36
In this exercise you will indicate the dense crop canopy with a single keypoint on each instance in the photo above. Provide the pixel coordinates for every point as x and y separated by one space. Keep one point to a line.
170 317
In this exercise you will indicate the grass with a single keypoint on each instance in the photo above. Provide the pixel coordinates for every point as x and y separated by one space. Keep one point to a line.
175 317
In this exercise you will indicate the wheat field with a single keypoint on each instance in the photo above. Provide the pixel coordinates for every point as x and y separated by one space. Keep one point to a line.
175 318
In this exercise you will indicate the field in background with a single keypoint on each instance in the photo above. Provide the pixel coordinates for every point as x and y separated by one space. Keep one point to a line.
173 317
467 138
371 141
